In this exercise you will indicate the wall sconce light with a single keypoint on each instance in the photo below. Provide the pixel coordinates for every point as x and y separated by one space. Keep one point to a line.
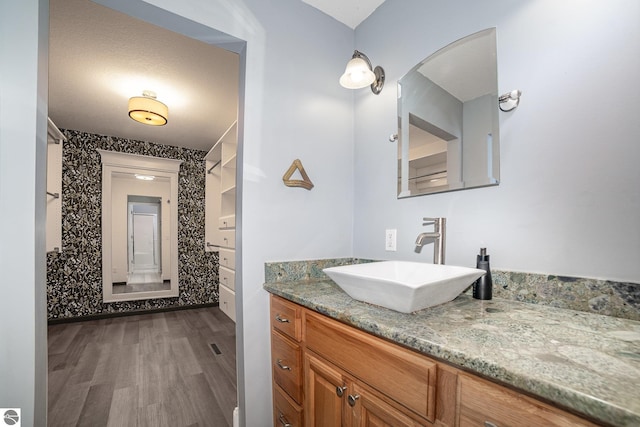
511 100
359 73
148 110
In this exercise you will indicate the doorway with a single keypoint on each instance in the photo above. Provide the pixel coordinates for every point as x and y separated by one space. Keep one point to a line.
145 220
143 236
144 247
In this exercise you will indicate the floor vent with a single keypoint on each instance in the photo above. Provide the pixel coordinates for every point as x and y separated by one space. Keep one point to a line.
215 349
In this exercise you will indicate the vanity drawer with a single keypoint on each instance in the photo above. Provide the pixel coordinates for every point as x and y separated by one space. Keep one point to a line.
404 376
228 258
285 410
227 302
286 360
228 221
227 277
482 403
228 239
286 317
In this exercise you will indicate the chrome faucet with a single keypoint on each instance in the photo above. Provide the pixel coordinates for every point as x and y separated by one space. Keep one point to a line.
439 236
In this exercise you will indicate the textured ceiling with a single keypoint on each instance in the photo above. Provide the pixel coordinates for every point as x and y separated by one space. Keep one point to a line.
99 58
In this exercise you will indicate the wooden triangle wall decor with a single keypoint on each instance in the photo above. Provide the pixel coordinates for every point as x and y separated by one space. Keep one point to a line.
304 183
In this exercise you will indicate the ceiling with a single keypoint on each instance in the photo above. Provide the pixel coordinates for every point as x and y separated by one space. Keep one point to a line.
349 12
466 68
99 58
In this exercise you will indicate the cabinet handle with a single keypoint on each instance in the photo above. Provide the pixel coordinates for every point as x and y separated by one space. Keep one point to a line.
281 319
489 424
340 391
281 366
283 420
352 399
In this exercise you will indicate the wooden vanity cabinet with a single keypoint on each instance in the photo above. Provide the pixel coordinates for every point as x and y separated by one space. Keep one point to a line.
334 398
286 412
483 403
324 391
286 361
328 374
382 380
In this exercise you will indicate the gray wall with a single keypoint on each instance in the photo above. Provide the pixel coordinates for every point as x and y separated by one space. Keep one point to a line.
292 106
23 150
569 197
74 277
567 57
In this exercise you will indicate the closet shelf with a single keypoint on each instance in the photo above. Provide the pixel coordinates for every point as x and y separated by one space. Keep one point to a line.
230 162
229 191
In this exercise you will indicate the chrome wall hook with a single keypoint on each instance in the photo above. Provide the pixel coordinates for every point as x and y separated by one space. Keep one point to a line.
511 99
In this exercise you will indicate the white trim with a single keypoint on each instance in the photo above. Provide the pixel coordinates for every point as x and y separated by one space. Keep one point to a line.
134 163
139 161
52 131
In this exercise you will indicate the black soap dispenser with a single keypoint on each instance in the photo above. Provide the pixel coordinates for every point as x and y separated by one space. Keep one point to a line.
482 288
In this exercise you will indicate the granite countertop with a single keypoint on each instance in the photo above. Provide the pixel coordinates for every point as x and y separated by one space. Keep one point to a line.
585 362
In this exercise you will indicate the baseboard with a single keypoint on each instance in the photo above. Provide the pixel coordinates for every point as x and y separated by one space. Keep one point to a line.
128 313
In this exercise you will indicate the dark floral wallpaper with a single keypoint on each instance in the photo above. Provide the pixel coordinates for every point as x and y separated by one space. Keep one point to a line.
74 276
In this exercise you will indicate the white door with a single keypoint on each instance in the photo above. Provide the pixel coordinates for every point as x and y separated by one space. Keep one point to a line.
144 242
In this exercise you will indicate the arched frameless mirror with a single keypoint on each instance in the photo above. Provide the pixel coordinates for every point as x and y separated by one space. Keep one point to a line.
448 119
139 227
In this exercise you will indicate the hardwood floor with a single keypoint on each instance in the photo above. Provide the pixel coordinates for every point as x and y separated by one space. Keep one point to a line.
146 370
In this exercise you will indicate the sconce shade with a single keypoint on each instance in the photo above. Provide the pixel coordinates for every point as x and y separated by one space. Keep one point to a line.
148 110
510 100
359 73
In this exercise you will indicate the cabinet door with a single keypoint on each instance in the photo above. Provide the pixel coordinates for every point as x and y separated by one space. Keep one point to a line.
401 375
368 409
324 393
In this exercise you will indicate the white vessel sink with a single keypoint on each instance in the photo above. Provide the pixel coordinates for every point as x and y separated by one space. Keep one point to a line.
402 285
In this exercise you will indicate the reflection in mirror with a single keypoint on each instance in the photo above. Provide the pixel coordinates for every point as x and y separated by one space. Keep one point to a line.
448 119
142 269
139 226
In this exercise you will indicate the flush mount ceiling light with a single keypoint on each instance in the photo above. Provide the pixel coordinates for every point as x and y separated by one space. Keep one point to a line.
148 110
359 73
145 177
